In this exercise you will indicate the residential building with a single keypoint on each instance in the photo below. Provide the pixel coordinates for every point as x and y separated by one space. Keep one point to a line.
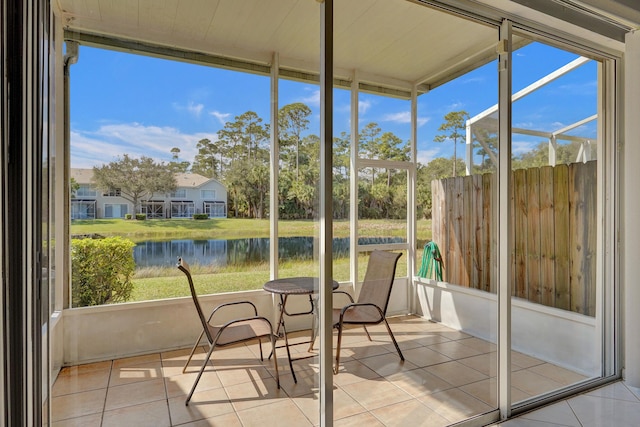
195 194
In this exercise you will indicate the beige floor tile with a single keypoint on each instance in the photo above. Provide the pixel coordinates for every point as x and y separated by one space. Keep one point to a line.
617 390
454 404
131 373
204 404
343 405
232 375
87 367
80 381
153 414
375 394
363 349
456 374
532 383
485 363
524 361
424 356
388 364
282 413
594 411
559 413
427 339
180 385
226 420
409 413
479 344
352 372
136 360
78 404
455 350
418 382
251 394
360 420
94 420
484 390
135 394
556 373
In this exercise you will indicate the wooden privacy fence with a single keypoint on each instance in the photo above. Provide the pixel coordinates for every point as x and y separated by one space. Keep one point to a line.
553 234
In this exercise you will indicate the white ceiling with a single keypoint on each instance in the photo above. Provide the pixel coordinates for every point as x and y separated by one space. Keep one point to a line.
393 44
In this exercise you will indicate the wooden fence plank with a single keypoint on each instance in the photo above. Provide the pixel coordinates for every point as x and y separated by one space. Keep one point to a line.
576 249
534 292
486 277
520 232
561 241
590 198
469 218
547 239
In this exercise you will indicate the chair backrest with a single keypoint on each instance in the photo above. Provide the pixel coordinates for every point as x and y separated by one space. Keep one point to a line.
184 267
378 279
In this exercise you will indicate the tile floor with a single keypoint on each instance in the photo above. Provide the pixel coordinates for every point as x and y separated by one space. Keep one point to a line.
447 376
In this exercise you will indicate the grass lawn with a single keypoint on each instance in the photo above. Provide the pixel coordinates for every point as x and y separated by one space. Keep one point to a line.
159 283
231 228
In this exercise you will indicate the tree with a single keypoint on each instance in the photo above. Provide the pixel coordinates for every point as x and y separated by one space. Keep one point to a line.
176 165
209 158
454 129
135 179
292 121
73 187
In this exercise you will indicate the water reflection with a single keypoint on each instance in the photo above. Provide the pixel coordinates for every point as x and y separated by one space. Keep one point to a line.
239 251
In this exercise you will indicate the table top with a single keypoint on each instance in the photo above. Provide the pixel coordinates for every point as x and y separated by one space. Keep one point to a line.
295 285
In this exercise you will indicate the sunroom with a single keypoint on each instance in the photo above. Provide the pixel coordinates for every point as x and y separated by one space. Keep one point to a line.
527 308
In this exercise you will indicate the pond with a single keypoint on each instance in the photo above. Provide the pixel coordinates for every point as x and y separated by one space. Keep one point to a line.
239 251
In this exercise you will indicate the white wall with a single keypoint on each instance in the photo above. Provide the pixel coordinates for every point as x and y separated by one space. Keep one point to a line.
631 212
557 336
122 330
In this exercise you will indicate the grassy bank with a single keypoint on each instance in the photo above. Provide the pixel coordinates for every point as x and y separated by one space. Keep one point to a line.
167 282
231 228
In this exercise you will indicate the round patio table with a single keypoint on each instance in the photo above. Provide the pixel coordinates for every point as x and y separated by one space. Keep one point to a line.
295 286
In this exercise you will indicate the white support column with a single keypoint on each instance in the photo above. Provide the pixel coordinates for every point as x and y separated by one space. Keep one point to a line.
553 144
411 201
353 182
274 158
631 206
326 213
468 158
504 221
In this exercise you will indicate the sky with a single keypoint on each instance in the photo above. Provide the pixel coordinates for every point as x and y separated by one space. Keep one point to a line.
123 103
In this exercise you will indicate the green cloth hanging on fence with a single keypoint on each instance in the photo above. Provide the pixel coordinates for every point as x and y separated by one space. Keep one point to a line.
431 267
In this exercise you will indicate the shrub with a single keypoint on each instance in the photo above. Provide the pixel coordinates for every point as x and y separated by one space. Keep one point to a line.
101 271
200 216
141 217
127 216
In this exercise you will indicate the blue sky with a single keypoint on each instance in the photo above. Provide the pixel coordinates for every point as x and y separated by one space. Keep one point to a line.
138 105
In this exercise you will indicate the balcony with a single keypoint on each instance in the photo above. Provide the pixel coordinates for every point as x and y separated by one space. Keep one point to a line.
448 376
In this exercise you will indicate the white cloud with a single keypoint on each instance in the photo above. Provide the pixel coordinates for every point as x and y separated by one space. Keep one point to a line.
363 106
313 99
195 109
521 147
403 117
425 156
94 148
222 117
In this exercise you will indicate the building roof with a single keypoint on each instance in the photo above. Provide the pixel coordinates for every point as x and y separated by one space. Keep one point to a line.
184 180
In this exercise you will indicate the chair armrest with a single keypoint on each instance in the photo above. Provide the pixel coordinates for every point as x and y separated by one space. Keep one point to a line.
226 304
359 304
345 293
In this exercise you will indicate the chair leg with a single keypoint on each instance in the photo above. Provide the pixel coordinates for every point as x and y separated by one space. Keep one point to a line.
393 339
367 332
260 345
193 350
275 359
335 369
204 365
